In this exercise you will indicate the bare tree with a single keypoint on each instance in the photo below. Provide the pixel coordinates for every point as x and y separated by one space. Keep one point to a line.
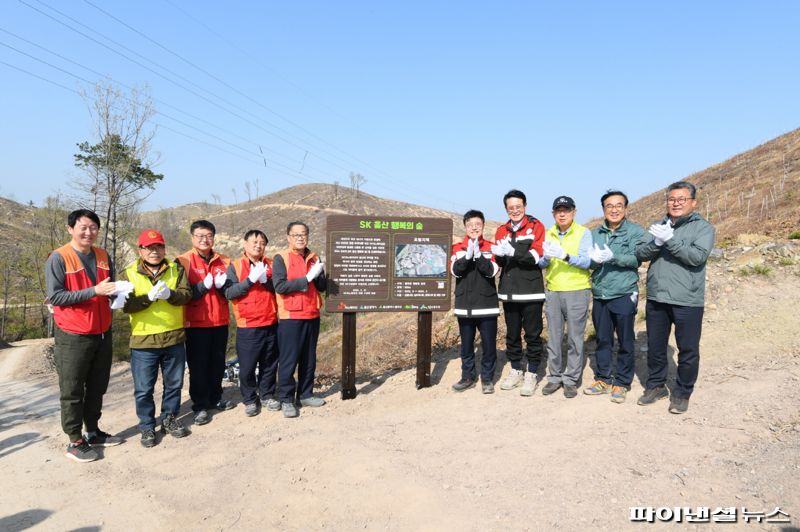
216 198
117 168
335 190
247 190
356 180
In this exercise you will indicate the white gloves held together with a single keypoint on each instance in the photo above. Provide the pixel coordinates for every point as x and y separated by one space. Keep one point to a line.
661 232
503 249
601 255
553 250
216 280
160 290
315 270
473 249
258 273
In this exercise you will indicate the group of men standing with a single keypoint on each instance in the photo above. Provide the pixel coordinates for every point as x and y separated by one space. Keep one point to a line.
561 270
179 315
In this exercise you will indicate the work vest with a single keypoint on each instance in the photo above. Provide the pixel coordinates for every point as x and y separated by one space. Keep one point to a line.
561 276
160 316
92 316
211 310
258 307
299 305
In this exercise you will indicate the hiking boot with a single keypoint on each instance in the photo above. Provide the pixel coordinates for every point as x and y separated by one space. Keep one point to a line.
529 384
570 391
487 387
224 404
81 451
99 438
512 380
148 438
312 402
289 410
551 387
170 425
597 388
201 417
251 410
678 405
618 394
271 404
463 384
651 395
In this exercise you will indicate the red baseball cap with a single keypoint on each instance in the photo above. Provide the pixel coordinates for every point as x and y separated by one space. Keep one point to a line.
148 237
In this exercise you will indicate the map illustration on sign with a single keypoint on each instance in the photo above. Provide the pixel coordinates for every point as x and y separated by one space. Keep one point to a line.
420 260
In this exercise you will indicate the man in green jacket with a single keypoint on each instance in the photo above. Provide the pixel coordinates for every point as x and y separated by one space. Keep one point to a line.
678 249
615 278
160 289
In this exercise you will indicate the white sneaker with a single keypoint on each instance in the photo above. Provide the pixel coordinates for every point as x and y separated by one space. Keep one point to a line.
512 380
529 384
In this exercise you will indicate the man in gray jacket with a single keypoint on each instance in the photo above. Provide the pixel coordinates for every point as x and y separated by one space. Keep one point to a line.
677 250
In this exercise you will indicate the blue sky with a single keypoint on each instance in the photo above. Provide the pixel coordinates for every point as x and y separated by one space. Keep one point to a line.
446 104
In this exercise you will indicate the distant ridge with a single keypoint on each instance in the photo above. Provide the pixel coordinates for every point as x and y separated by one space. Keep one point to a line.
756 191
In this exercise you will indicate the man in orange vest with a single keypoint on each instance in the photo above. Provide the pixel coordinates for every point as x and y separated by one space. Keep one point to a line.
79 279
299 279
255 308
206 321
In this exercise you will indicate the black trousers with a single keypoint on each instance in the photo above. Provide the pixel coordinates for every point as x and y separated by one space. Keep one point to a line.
297 347
257 347
205 354
688 323
525 316
83 364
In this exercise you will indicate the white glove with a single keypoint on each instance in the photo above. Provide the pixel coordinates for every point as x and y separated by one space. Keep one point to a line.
208 280
661 233
263 278
119 301
595 254
255 272
606 253
123 287
154 292
497 250
314 271
165 292
508 248
553 250
476 249
219 279
470 250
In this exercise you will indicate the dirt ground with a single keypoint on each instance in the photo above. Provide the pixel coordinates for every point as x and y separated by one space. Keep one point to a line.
397 458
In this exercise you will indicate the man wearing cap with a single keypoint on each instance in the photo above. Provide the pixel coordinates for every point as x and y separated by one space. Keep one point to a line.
256 310
517 251
299 278
80 280
566 261
155 308
206 321
678 248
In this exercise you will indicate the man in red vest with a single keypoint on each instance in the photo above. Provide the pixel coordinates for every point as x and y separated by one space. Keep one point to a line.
256 312
206 321
79 280
299 280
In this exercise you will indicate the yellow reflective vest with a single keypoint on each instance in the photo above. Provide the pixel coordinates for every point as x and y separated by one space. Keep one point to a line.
561 276
160 316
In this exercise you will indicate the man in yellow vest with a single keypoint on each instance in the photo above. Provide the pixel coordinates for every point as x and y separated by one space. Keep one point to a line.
566 260
160 289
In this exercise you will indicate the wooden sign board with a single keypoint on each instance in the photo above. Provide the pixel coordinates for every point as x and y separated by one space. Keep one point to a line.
388 264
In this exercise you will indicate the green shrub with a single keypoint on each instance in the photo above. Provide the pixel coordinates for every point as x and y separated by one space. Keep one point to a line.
755 269
785 261
794 235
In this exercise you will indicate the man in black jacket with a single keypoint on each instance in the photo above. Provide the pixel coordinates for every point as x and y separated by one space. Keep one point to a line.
473 266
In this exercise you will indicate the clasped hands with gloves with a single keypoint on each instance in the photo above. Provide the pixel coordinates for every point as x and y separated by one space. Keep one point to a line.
216 280
258 273
315 270
160 290
601 255
553 250
662 232
503 249
473 249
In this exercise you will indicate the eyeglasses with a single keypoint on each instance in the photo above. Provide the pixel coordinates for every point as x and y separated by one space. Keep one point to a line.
153 247
679 200
614 206
298 236
204 236
515 209
476 225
